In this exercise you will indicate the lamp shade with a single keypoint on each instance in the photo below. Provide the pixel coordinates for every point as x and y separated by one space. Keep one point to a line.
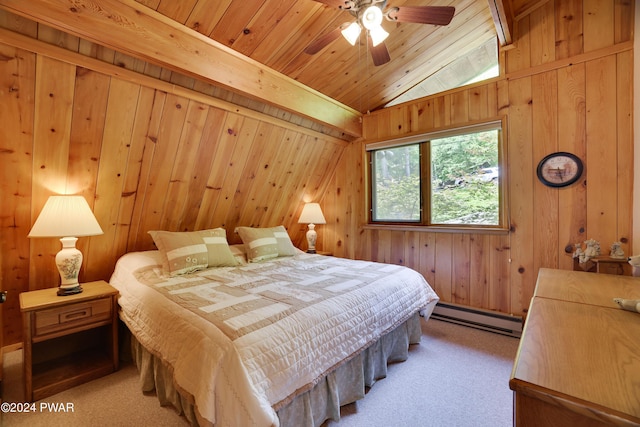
64 216
352 32
378 35
312 214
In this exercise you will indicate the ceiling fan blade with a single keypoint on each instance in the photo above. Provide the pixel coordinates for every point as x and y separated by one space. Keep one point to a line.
434 15
379 53
318 44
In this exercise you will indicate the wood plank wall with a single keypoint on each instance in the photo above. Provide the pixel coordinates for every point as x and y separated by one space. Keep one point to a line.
145 152
148 153
566 87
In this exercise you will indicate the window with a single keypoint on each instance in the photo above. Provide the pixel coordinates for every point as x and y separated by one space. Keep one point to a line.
449 178
396 193
481 63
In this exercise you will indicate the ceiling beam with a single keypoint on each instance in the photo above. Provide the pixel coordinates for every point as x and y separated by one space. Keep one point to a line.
502 19
131 28
522 8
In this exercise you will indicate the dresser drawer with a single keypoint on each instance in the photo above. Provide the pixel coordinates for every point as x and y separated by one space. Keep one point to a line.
71 316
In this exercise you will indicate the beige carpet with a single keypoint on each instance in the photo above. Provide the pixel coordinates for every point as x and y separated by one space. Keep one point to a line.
456 377
114 400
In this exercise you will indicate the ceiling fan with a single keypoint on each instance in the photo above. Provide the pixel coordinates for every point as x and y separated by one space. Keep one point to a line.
369 14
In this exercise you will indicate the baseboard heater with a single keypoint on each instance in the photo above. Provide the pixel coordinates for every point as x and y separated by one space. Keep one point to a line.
477 318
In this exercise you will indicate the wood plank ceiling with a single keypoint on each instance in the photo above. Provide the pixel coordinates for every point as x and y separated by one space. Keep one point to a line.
275 33
256 48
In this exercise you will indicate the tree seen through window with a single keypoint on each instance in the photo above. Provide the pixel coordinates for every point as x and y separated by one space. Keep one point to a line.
463 188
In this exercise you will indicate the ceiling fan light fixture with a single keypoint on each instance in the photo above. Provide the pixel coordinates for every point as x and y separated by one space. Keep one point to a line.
352 33
372 17
378 35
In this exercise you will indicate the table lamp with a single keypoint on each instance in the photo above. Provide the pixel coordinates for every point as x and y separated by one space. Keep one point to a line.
67 217
312 215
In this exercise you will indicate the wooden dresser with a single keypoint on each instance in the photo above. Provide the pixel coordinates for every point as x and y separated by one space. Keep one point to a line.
578 363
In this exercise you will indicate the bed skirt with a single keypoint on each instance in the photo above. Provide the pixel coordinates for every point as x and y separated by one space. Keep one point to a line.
344 385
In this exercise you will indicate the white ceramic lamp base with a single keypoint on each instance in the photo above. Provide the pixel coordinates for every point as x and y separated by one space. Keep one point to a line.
311 239
69 261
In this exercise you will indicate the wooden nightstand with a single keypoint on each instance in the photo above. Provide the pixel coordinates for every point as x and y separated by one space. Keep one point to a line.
68 340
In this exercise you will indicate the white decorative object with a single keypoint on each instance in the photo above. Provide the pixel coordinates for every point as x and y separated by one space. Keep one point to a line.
634 261
628 304
578 250
592 250
616 250
67 217
312 215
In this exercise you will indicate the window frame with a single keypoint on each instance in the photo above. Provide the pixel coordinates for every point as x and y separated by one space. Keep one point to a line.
423 139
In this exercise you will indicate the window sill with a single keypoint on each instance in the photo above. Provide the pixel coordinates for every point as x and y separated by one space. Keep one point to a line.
437 229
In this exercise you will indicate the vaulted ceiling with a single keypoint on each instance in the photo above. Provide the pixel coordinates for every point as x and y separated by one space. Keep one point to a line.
257 47
275 33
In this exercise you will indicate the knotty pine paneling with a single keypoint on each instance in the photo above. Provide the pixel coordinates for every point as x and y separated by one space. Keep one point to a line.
624 144
567 88
571 137
52 128
128 146
569 35
522 169
544 114
144 158
601 150
17 108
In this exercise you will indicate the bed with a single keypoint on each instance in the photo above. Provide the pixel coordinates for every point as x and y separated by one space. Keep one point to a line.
263 336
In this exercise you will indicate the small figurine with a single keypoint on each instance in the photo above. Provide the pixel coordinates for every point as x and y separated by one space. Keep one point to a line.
616 250
578 250
592 250
628 304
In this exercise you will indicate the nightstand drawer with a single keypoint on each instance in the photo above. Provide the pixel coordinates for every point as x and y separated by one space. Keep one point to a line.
71 316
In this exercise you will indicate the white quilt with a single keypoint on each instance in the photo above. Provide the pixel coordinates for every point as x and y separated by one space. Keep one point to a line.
246 340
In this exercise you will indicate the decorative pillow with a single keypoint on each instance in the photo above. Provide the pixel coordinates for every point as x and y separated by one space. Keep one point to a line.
189 251
182 252
239 253
218 248
285 245
266 243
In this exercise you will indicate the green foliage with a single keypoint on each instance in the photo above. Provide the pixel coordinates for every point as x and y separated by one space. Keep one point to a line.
397 178
400 201
458 157
474 203
459 194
